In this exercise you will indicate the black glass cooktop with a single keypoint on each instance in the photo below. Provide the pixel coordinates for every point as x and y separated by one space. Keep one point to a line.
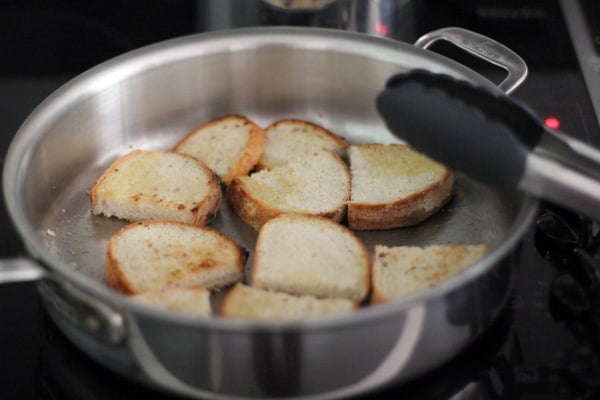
545 345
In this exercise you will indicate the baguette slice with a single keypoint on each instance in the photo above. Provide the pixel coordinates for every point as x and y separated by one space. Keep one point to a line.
316 184
192 301
292 138
146 185
229 145
307 255
258 304
394 186
157 255
401 271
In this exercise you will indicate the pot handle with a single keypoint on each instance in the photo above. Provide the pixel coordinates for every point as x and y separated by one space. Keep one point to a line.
484 48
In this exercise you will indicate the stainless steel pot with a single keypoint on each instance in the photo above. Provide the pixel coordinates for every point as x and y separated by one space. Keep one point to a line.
389 18
150 98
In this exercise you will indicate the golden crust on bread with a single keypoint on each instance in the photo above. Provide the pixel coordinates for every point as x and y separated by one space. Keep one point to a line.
393 186
316 184
404 212
149 184
253 303
309 255
292 138
158 255
230 145
402 271
190 301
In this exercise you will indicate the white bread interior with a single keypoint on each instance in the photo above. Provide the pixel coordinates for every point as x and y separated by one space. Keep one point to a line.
316 184
402 271
394 186
292 138
252 303
157 255
230 146
307 255
161 185
191 301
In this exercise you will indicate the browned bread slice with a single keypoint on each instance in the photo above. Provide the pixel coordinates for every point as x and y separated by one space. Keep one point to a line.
307 255
315 184
258 304
292 138
146 184
394 186
157 255
192 301
402 271
230 145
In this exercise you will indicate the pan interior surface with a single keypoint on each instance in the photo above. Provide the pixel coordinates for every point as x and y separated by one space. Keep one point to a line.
150 99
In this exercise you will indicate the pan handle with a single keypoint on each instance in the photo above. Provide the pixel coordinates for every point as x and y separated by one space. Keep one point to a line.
83 311
79 308
20 269
484 48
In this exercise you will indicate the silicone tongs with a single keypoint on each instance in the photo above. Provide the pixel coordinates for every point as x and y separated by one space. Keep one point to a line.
491 138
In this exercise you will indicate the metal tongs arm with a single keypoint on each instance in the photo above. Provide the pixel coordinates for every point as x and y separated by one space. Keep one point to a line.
491 138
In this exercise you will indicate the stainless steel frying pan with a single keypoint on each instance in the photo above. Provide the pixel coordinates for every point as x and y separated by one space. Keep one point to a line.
150 98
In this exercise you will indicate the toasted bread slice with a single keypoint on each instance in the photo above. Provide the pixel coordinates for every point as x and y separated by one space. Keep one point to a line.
307 255
401 271
192 301
394 186
258 304
229 145
145 184
157 255
292 138
316 184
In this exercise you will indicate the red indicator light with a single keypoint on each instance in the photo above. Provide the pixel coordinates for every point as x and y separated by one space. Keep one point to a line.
552 122
381 28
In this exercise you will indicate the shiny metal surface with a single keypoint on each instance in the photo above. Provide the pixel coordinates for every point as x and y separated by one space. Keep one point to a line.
565 171
484 48
549 179
83 311
387 18
152 97
20 269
